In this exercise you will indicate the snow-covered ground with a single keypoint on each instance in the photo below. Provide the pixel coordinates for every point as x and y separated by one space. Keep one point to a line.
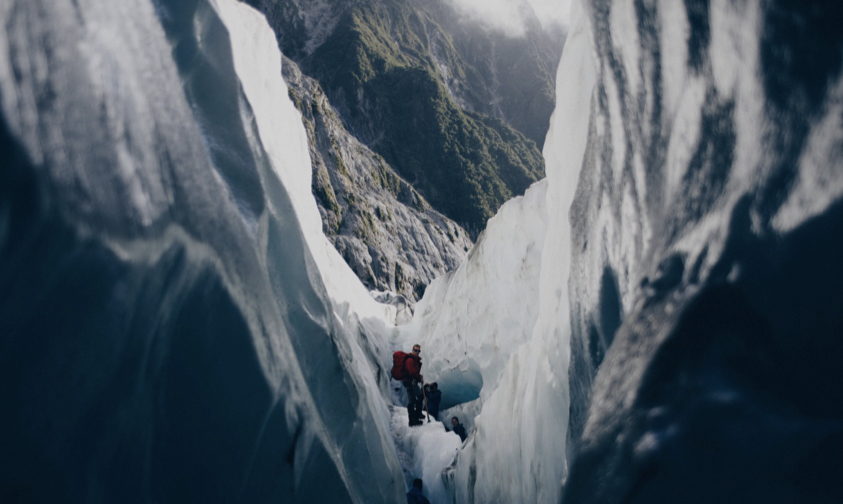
425 451
470 321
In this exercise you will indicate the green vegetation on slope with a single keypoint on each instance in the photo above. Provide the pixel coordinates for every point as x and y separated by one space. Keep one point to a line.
403 74
376 68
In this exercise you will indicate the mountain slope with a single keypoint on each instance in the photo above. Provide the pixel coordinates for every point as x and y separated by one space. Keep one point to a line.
401 85
485 70
386 232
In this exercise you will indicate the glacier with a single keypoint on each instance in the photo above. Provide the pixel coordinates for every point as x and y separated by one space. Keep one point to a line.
506 309
705 274
171 331
689 301
657 321
471 321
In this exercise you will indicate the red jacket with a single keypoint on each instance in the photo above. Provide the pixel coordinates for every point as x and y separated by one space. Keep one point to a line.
413 366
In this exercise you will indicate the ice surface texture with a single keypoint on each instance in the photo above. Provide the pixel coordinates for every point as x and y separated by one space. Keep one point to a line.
709 219
471 320
469 324
165 331
503 316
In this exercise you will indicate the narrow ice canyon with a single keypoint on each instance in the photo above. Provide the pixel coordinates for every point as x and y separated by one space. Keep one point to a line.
659 320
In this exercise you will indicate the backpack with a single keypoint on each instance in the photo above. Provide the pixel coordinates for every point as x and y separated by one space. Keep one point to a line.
399 372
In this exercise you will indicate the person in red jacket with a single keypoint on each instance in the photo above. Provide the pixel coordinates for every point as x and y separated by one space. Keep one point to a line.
412 382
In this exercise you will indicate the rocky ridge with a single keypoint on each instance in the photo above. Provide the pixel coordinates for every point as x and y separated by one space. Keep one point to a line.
384 229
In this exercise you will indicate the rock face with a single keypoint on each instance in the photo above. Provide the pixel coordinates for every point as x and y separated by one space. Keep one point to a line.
458 112
382 227
706 235
508 76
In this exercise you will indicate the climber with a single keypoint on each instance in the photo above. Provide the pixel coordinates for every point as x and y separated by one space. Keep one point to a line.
414 496
458 429
434 397
412 382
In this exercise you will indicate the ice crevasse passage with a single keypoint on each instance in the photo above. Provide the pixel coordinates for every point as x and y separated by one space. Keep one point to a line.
204 341
503 315
494 300
175 328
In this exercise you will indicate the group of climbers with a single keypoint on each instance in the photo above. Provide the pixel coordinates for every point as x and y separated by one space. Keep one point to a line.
421 398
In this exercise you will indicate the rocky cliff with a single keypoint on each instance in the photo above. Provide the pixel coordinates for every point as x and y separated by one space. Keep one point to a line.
383 228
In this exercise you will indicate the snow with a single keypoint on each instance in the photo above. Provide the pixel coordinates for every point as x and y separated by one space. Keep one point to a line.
425 452
470 321
495 332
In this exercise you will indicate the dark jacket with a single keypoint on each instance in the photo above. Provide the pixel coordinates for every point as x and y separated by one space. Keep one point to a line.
433 400
459 430
414 496
413 366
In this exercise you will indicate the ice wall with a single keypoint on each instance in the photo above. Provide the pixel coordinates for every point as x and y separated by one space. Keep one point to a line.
166 330
503 317
471 320
707 227
257 62
518 451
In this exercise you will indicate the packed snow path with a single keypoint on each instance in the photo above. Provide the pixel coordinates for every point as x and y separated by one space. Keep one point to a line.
424 451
